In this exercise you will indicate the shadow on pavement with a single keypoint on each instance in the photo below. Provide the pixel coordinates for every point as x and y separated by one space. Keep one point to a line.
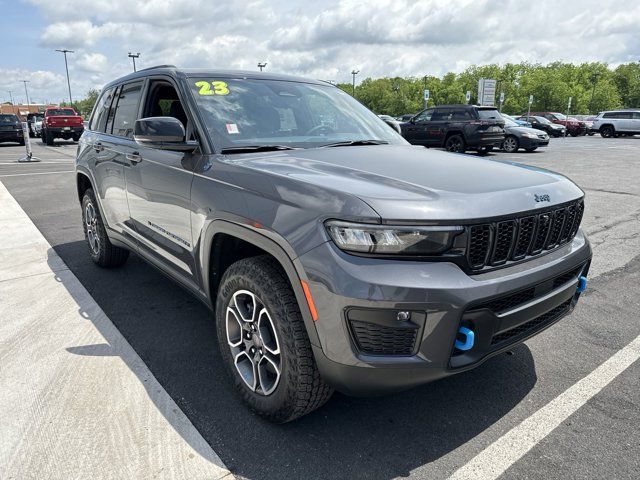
374 438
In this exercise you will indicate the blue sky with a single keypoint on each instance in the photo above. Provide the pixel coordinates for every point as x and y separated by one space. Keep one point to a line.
323 40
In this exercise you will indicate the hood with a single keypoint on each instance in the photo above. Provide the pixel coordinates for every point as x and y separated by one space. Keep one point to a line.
408 183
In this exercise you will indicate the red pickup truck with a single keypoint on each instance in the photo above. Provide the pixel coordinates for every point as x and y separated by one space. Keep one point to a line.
61 122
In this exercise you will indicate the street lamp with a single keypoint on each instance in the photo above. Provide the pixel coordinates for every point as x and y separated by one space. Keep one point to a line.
133 57
26 92
261 65
354 72
66 66
594 80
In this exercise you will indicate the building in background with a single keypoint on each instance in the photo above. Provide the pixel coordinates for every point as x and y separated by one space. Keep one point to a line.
22 110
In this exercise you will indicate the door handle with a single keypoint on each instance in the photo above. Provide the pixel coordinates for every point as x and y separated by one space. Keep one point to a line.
133 157
97 146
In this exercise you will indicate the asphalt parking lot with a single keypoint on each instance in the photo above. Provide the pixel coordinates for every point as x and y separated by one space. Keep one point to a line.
429 432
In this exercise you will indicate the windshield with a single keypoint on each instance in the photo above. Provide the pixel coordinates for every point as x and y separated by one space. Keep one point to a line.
543 120
255 112
8 119
559 116
489 113
508 122
60 112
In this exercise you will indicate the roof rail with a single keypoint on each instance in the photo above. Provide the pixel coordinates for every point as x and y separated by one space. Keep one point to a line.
157 66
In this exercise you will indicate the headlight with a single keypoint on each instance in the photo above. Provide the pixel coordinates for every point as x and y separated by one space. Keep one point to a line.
397 240
530 135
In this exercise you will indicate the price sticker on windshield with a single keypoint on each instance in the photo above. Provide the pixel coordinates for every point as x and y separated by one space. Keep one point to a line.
215 87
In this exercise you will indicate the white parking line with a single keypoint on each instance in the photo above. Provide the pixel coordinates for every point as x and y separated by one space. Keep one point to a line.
494 460
34 173
76 400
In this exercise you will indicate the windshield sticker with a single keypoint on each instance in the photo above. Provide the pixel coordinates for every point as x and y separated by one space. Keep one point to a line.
219 88
232 128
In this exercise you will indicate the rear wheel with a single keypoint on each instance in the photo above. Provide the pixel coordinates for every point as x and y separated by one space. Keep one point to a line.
510 144
264 344
455 144
48 138
101 250
607 131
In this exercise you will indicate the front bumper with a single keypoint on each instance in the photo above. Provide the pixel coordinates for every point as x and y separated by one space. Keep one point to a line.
526 142
441 299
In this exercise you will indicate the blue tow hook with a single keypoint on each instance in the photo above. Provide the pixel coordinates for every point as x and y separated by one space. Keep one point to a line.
469 338
582 284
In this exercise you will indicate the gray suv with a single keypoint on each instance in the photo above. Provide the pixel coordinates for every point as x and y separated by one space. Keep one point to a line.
333 254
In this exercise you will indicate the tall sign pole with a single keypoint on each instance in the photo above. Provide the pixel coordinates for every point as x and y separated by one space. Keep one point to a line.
354 72
133 57
66 66
26 92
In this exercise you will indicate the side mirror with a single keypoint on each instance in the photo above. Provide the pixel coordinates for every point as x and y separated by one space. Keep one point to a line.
163 133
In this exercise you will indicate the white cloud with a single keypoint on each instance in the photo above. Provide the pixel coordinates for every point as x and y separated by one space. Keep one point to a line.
92 62
327 39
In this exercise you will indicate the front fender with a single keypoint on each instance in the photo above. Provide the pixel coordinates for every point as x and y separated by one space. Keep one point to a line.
271 243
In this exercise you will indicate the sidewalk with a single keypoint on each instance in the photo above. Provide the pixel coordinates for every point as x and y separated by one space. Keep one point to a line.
76 401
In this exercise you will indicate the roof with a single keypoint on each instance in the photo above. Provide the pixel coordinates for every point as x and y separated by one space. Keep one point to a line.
174 71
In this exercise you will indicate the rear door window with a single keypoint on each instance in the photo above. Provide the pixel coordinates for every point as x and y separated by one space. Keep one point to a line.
461 114
441 114
99 119
127 109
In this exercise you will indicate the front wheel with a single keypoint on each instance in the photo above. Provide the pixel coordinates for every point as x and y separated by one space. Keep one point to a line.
607 131
511 144
101 250
264 344
455 144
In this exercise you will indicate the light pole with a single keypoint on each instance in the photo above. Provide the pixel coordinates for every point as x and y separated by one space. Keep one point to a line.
133 57
26 92
261 65
66 66
354 72
594 80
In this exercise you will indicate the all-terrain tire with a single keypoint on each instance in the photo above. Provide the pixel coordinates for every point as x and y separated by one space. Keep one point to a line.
300 388
101 250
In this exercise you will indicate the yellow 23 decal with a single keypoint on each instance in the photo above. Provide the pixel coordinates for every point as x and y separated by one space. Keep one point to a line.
219 88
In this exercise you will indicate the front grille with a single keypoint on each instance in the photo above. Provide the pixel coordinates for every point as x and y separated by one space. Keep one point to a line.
376 339
531 325
496 243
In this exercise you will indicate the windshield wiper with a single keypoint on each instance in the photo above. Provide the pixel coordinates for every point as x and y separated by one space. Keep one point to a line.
256 148
351 143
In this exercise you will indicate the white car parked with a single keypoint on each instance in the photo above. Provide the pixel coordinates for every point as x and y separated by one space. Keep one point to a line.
617 122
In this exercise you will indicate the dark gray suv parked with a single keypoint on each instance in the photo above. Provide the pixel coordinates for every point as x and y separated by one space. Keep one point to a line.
334 254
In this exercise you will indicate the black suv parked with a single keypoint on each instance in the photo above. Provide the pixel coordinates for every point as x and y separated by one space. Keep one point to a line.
11 129
456 128
333 253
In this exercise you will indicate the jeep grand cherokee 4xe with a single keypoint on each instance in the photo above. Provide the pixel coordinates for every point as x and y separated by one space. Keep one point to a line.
333 254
